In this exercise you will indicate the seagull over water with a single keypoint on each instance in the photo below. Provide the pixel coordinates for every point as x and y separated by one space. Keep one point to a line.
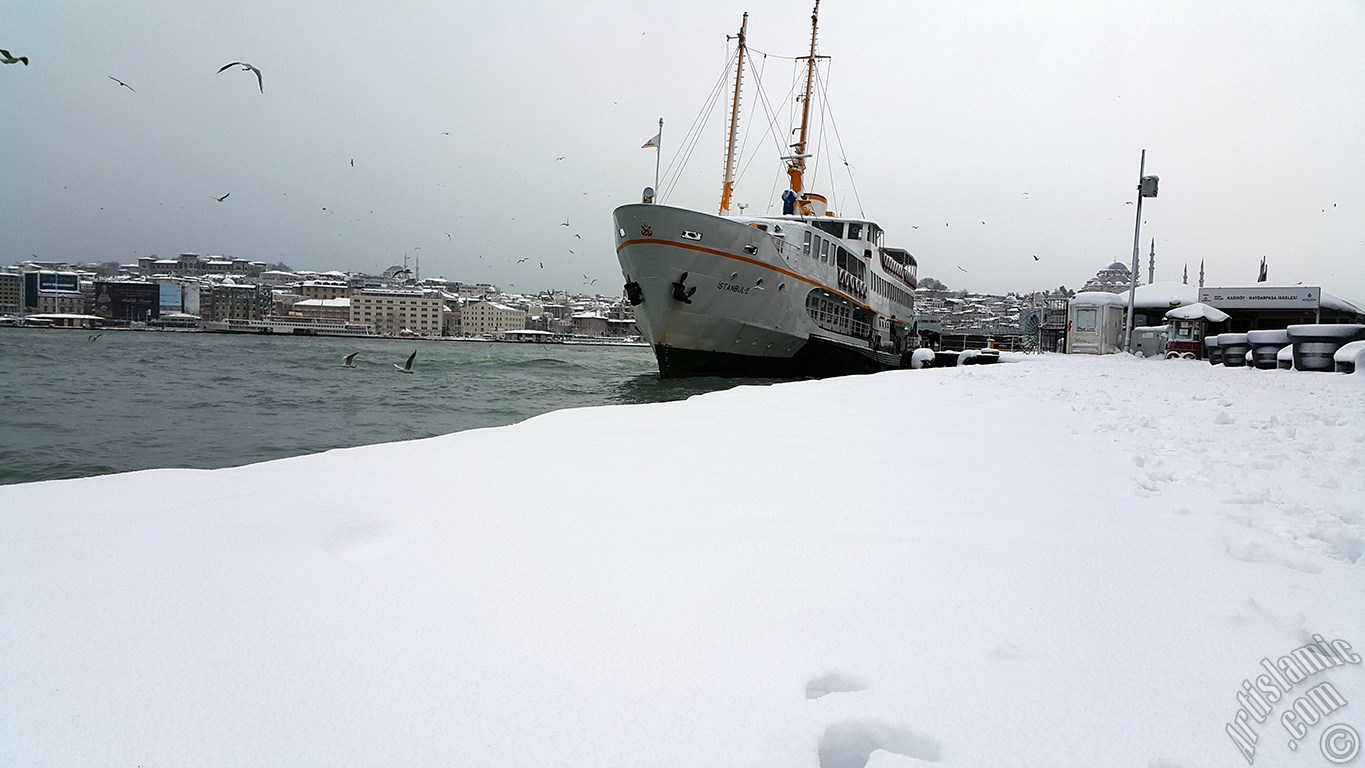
349 360
120 82
407 367
245 66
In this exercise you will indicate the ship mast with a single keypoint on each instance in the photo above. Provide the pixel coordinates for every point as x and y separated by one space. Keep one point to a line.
729 183
796 163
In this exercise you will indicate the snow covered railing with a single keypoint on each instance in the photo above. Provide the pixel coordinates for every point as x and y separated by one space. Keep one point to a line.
1351 357
1316 344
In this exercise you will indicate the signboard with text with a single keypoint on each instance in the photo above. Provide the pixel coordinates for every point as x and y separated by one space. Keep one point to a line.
1262 297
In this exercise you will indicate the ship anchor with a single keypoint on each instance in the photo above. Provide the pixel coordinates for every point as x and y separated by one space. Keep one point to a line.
634 295
681 292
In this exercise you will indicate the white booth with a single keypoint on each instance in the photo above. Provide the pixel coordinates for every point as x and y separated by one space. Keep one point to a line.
1094 322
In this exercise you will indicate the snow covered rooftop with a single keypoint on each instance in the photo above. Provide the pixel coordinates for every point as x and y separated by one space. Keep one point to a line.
1099 299
1198 311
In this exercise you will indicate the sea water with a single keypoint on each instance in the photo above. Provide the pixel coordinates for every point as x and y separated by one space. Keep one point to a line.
76 404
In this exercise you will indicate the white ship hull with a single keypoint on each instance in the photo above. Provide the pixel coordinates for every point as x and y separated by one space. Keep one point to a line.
720 296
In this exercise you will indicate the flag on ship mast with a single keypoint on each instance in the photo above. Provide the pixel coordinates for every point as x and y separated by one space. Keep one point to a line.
657 143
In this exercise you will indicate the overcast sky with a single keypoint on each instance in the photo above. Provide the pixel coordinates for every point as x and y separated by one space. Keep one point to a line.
947 113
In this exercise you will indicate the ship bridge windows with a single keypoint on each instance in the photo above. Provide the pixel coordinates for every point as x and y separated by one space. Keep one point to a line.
835 228
855 230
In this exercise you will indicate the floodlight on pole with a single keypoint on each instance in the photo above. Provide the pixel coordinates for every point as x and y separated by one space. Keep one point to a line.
1146 188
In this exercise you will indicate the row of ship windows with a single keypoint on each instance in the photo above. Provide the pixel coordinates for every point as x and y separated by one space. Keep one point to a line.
830 252
896 294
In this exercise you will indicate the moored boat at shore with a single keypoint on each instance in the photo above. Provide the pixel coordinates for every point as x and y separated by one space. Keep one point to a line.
291 326
806 293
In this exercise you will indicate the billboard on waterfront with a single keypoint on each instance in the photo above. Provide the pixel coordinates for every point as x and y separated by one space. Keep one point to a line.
1262 297
192 303
169 298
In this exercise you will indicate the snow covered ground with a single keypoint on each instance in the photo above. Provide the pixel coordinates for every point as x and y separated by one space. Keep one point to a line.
1060 561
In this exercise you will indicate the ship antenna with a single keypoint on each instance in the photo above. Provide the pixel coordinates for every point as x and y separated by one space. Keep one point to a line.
797 162
729 179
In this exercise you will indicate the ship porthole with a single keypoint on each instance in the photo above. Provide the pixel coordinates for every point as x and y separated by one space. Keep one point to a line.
736 341
781 286
759 281
734 275
621 233
770 346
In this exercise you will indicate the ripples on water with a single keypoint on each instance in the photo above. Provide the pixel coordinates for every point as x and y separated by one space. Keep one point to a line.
130 400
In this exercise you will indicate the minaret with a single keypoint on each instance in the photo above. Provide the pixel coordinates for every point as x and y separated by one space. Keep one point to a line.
1185 278
1201 274
1151 264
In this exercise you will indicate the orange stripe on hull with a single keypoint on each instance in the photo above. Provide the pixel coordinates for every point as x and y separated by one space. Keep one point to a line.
746 260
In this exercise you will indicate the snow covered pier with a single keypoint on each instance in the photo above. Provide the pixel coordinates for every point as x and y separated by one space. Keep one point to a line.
1134 542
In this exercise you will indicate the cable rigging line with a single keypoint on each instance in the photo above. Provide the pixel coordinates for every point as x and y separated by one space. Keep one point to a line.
693 135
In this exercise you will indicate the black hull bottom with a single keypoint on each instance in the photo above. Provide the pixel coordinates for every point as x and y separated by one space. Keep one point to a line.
815 359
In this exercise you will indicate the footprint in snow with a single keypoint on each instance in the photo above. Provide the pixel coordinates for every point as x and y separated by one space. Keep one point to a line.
834 682
849 744
361 540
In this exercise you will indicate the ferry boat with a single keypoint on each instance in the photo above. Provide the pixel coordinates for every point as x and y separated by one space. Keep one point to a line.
806 293
293 326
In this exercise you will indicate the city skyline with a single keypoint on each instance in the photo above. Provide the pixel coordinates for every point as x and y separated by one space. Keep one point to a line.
995 139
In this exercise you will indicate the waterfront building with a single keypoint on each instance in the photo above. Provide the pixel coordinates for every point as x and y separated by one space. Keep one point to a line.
323 309
231 301
487 317
450 323
193 265
127 300
11 293
590 325
52 292
323 289
395 310
477 291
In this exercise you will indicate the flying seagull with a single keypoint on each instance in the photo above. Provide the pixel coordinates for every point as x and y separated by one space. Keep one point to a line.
407 367
962 269
120 82
221 199
566 222
525 259
349 360
9 58
245 66
1035 257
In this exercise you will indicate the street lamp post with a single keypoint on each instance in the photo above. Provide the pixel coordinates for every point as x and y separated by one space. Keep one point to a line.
1146 188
